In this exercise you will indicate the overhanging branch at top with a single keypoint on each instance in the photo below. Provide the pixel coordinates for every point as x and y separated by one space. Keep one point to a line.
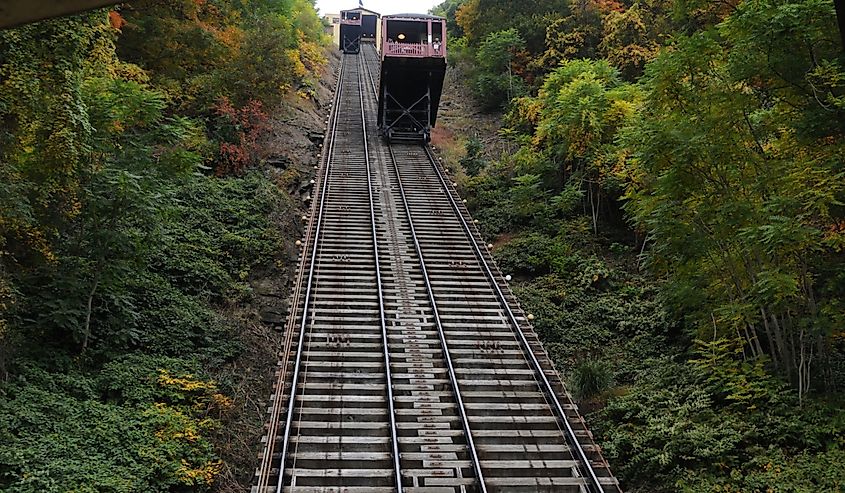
17 12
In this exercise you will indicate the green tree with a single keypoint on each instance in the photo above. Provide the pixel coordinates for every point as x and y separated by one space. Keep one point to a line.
473 161
45 134
737 177
198 52
574 122
480 18
449 10
633 37
495 81
574 36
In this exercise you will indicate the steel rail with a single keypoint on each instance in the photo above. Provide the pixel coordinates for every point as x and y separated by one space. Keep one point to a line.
593 479
397 468
372 82
473 452
298 362
273 425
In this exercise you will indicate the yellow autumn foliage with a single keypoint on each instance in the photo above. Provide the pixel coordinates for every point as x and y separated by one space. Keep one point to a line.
202 475
186 383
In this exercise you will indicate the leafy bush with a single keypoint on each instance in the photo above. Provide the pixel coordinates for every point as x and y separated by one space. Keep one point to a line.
676 431
238 130
495 82
473 161
491 203
57 435
532 254
202 51
590 378
173 323
219 232
588 321
133 378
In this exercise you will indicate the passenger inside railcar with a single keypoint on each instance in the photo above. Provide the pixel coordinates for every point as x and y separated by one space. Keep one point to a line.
417 37
350 15
408 31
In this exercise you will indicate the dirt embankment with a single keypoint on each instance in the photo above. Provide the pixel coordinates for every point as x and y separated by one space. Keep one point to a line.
460 118
289 154
291 150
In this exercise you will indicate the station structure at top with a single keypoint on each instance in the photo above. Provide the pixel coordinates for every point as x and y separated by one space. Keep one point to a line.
369 21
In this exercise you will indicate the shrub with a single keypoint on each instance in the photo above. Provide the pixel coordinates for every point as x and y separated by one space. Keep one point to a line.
473 161
678 430
57 435
238 130
589 379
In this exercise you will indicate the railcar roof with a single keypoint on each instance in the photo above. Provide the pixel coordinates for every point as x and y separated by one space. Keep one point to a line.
362 10
414 16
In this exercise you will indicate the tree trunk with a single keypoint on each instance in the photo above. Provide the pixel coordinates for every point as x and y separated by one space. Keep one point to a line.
781 343
751 339
804 367
801 389
4 358
89 309
770 336
840 16
642 251
758 349
510 82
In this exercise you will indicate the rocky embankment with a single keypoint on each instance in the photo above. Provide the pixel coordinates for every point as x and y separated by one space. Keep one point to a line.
289 153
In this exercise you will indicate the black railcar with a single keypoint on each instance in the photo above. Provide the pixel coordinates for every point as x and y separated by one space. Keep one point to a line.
350 31
412 71
369 27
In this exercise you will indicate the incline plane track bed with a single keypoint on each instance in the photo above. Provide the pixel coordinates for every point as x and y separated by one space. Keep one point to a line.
408 365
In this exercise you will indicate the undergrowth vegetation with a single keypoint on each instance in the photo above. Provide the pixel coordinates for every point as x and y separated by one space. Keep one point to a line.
133 427
671 211
131 226
136 410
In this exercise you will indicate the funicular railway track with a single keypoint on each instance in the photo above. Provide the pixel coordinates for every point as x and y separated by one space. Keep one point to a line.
408 365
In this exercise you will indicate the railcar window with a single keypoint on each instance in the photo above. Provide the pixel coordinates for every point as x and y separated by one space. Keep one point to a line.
407 31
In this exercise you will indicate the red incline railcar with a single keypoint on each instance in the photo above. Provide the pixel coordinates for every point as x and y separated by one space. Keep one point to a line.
413 65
